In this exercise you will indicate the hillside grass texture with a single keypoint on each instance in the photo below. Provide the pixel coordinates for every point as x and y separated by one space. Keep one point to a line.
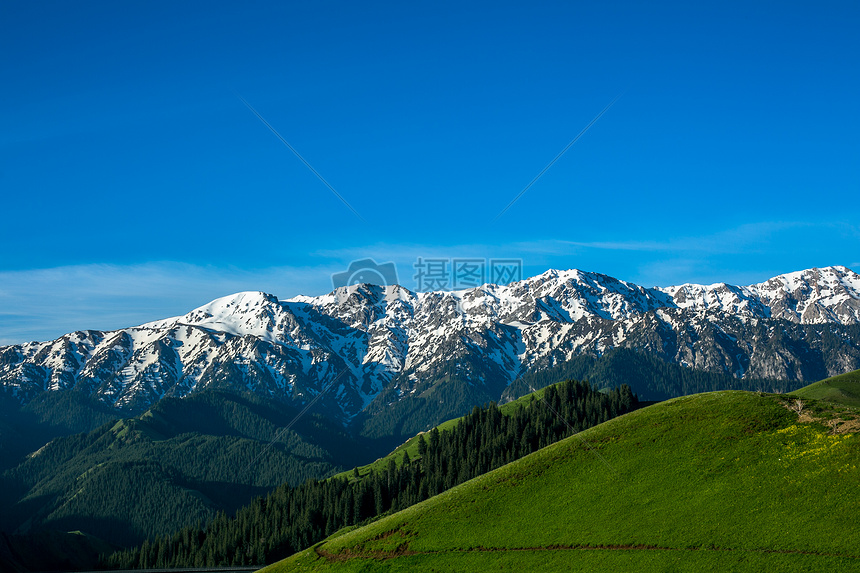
843 389
723 481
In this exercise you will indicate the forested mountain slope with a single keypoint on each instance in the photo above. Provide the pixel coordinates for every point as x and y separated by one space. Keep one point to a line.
175 465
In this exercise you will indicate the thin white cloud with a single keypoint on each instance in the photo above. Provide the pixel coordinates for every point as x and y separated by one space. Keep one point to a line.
406 254
744 254
42 304
731 240
740 238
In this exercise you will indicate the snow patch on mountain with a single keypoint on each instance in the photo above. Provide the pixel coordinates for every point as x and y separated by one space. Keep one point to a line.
363 338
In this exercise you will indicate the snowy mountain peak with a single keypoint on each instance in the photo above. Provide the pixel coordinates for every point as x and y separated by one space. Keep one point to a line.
814 296
838 278
386 342
245 313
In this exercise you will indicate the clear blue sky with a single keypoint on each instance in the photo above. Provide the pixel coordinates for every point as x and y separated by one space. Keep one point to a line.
137 185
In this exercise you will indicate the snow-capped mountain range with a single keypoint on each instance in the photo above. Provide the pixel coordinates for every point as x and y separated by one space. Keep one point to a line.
359 340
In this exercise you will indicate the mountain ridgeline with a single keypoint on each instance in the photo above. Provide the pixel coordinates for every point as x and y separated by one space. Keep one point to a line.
378 346
647 374
292 518
24 429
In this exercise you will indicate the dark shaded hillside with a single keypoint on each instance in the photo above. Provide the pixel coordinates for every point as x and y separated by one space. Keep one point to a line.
50 551
650 377
175 465
392 419
48 416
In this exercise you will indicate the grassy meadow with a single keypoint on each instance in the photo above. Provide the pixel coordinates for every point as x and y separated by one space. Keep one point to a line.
843 389
728 481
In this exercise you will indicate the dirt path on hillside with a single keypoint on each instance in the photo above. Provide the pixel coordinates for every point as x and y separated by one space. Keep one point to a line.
404 551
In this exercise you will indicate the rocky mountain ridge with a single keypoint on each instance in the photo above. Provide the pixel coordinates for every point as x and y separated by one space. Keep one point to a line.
364 344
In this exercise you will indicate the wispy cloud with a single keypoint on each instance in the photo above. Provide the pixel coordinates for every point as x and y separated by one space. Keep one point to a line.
42 304
743 254
406 254
742 238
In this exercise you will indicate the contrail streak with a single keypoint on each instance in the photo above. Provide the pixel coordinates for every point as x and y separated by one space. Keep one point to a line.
303 160
557 157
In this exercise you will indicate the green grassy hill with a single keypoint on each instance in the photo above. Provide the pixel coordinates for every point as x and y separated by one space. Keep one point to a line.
843 389
724 481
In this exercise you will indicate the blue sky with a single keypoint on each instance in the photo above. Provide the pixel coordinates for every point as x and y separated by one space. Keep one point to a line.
136 184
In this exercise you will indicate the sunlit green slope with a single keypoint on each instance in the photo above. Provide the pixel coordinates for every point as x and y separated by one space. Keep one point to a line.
842 389
724 481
